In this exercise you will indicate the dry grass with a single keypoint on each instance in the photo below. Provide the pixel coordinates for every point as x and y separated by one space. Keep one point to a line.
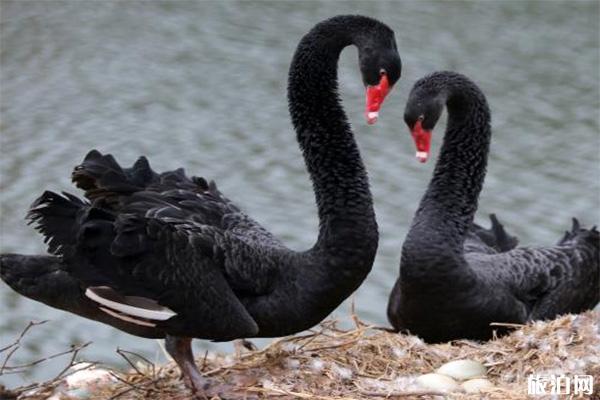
365 363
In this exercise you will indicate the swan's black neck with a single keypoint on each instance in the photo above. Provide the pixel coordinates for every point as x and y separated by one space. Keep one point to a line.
447 209
346 216
313 283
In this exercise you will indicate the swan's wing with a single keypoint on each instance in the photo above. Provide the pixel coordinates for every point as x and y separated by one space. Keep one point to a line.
474 243
186 263
46 279
168 194
548 280
489 241
159 244
174 196
175 267
101 177
246 249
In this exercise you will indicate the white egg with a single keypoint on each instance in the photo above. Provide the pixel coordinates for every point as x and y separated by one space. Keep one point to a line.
462 369
87 378
476 385
438 382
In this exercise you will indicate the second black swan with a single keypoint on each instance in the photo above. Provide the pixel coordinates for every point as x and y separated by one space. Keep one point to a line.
166 255
457 278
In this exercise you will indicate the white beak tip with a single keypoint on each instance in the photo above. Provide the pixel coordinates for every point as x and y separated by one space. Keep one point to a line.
372 117
422 156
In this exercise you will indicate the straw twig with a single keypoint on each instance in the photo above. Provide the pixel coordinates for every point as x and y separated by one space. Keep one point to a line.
363 362
14 346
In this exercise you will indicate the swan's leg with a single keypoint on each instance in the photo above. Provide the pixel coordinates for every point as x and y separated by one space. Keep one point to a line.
181 350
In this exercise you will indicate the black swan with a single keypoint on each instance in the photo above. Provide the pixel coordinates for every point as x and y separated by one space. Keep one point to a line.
168 256
457 278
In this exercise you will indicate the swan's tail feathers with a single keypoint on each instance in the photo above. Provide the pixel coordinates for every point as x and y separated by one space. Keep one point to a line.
69 223
40 278
101 177
56 217
496 237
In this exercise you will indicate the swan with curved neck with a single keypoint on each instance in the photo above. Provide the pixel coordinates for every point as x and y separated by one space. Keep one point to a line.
455 278
166 255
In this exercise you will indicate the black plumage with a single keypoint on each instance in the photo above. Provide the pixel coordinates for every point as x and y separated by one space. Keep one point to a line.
456 277
175 244
492 240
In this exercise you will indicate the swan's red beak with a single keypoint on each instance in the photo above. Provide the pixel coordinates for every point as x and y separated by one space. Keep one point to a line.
375 96
422 140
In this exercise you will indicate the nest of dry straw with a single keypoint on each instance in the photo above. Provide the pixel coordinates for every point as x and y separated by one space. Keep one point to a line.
365 362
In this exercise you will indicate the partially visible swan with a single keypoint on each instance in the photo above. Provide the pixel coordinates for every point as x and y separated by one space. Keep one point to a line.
452 283
167 255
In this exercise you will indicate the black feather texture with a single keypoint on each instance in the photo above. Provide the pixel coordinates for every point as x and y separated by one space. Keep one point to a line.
178 241
492 240
44 279
457 277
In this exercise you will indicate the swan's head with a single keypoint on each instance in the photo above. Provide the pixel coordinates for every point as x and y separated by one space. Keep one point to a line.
380 67
422 112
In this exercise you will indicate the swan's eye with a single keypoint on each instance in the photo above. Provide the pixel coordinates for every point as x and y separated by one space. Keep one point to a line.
382 72
421 117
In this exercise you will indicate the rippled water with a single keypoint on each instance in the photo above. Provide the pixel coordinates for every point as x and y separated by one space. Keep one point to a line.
202 85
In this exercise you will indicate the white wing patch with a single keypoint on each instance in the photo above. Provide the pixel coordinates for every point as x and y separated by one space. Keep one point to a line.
127 308
125 318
